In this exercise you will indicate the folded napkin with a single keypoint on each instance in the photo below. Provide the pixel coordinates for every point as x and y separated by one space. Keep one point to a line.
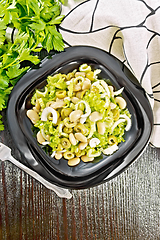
129 30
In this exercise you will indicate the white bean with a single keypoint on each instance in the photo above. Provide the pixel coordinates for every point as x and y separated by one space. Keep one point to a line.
86 84
82 145
57 104
77 87
74 161
72 139
95 116
80 137
75 115
101 127
74 99
58 155
40 138
121 102
33 116
85 158
37 106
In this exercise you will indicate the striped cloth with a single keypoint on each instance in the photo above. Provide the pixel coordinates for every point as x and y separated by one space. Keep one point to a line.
129 30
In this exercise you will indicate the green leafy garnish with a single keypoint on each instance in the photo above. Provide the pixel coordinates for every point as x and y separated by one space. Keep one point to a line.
26 27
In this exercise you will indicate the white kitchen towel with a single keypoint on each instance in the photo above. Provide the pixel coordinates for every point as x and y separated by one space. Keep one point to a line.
127 29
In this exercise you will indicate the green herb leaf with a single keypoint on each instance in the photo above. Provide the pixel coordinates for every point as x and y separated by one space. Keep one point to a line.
25 55
2 31
56 20
15 70
34 23
1 124
3 83
2 100
38 25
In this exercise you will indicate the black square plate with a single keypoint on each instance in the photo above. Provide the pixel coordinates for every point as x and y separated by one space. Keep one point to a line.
104 168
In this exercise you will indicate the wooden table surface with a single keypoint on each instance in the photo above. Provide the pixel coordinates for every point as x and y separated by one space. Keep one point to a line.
127 207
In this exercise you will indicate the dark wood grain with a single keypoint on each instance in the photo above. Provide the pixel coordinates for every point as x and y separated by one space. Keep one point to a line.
5 209
126 207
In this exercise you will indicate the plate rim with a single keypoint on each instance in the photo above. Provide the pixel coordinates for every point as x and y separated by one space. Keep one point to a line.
34 162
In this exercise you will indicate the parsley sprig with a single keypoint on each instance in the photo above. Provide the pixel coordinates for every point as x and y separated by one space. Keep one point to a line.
33 27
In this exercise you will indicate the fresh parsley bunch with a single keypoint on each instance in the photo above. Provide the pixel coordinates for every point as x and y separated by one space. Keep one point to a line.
26 26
